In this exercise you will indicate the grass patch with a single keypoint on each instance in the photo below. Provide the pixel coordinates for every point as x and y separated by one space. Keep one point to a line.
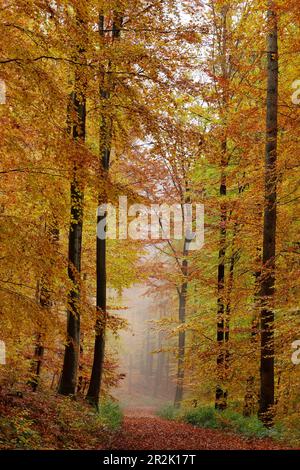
205 417
227 420
110 415
169 412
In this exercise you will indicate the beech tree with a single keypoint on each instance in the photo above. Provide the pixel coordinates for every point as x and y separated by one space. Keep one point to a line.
163 102
106 88
269 233
77 117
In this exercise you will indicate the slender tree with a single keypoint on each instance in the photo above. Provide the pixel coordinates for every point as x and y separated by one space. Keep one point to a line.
43 297
222 317
181 343
266 411
106 86
182 297
68 381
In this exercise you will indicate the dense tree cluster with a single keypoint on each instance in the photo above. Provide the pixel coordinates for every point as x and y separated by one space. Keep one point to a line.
170 101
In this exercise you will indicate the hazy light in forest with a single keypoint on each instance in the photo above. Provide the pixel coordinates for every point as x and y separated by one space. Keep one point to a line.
2 353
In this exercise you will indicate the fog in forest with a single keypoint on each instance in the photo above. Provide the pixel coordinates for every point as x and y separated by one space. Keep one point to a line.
144 351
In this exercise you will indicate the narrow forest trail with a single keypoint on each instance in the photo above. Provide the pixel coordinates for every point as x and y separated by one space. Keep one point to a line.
142 430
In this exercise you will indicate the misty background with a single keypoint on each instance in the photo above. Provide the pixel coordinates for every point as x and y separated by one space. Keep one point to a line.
145 351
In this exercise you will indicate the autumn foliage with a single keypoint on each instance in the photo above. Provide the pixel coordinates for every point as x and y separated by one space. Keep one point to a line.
169 102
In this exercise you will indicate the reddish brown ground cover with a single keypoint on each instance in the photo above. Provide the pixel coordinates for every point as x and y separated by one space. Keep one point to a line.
142 430
38 421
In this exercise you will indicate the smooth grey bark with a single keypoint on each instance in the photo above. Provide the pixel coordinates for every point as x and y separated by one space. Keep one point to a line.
181 347
36 363
222 336
222 326
93 394
43 297
159 365
182 295
251 396
267 284
149 355
68 381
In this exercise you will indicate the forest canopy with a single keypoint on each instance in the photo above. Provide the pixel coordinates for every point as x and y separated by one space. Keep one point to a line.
184 106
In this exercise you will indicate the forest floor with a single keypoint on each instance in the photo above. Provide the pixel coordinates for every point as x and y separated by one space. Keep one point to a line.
46 421
142 430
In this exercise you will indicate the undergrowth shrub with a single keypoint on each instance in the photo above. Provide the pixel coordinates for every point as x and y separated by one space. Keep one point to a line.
110 414
169 412
46 421
227 420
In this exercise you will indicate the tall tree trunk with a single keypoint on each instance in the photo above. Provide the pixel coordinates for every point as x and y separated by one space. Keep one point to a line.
93 393
181 336
80 369
130 373
167 373
266 410
36 364
68 380
43 296
99 348
222 336
182 294
159 363
149 356
142 362
250 399
43 299
221 394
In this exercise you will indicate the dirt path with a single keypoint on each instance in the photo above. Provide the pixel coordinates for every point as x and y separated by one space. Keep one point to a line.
142 430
